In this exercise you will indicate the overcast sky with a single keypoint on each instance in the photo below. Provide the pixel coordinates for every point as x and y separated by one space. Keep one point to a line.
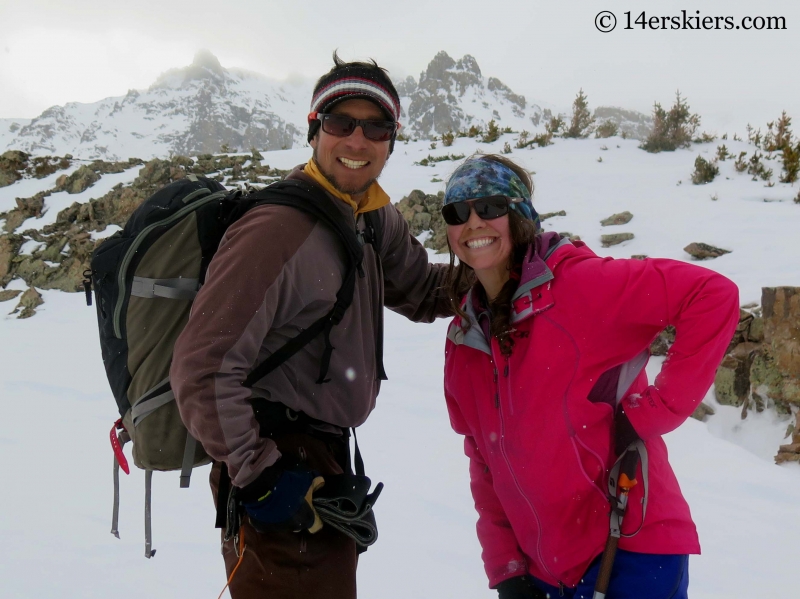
53 52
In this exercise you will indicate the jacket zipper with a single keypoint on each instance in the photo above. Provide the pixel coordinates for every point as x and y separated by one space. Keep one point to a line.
506 374
123 271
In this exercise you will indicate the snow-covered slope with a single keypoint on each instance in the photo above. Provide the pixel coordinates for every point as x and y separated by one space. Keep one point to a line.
200 108
192 110
57 409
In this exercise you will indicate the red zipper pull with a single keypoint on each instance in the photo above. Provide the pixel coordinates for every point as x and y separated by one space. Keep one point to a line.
117 447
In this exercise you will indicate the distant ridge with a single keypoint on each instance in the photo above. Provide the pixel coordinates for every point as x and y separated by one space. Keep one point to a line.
199 108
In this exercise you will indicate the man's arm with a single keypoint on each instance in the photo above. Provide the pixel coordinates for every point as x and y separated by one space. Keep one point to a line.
413 286
247 281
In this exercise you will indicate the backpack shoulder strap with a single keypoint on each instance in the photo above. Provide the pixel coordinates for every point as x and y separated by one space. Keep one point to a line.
309 199
373 230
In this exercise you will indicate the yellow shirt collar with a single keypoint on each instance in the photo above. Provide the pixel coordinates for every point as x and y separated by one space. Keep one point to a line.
373 199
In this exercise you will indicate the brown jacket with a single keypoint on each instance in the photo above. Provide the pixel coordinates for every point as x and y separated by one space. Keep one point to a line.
277 270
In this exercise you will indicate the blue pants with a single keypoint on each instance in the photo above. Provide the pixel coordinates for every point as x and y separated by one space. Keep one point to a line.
634 576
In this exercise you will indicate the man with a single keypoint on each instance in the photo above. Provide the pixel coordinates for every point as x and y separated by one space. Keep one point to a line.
277 271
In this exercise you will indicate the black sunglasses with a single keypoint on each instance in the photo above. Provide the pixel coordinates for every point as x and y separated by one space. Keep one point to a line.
342 125
487 208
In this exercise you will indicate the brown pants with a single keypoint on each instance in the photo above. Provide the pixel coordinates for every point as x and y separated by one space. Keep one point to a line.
287 565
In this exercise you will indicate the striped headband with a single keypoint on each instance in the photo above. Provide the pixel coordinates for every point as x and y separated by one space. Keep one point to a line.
357 87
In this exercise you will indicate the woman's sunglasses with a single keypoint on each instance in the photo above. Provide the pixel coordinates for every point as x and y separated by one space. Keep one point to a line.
487 208
342 125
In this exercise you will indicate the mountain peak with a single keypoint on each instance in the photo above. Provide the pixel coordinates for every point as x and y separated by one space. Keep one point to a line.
469 64
204 66
206 60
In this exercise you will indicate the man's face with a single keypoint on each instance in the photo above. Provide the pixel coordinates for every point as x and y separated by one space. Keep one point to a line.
351 163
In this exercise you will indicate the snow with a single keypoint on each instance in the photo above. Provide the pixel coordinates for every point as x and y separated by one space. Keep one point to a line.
107 232
56 408
56 202
30 246
25 188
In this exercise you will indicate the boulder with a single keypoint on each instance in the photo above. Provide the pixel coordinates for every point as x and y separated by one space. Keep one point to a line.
81 180
12 165
781 310
732 381
26 208
546 215
621 218
9 294
662 343
9 246
154 173
28 303
423 212
703 251
615 239
791 451
702 412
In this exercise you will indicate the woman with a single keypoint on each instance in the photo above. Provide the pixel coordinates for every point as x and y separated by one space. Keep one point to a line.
546 352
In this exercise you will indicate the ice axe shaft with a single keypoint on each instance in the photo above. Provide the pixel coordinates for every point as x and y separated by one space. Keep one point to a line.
620 485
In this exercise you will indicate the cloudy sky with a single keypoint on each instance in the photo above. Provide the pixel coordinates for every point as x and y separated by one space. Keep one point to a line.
53 52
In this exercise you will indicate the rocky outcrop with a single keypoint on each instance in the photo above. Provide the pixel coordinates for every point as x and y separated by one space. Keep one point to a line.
630 123
16 165
12 164
66 246
453 95
762 367
423 212
79 181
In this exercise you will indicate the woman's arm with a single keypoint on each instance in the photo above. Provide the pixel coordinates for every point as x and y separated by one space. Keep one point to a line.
502 557
637 300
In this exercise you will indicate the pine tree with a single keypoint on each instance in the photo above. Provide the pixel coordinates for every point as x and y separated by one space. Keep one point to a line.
582 123
791 163
492 132
607 129
704 171
783 132
672 129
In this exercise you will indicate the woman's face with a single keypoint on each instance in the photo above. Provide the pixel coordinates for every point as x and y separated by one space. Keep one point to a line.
485 245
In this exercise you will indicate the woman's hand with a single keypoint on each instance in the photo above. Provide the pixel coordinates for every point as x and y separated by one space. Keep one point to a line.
518 587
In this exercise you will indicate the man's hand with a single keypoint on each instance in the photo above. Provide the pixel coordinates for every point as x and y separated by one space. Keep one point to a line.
281 500
518 587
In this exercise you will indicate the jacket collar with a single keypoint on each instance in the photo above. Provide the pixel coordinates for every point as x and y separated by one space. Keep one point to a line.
533 294
474 336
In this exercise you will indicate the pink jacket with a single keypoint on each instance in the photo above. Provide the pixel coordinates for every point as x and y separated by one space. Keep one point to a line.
538 426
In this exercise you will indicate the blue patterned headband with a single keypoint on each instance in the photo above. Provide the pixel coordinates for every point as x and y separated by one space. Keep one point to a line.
480 178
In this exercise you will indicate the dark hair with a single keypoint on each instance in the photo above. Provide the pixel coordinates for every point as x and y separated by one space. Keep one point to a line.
523 234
